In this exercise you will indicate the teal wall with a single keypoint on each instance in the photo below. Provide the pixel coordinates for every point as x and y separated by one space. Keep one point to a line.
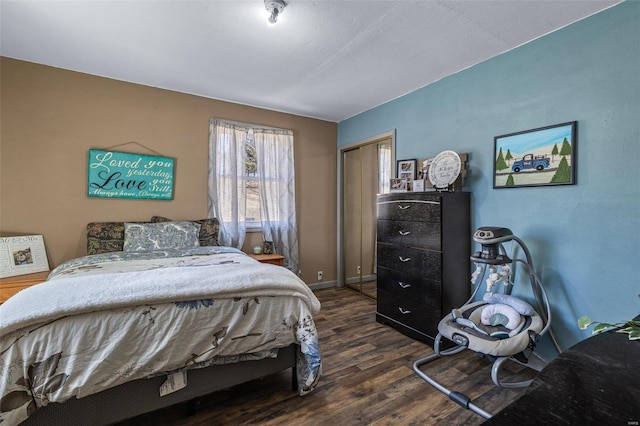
584 238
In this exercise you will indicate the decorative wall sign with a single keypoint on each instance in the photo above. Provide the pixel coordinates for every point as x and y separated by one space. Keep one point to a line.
444 169
457 185
538 157
125 175
22 255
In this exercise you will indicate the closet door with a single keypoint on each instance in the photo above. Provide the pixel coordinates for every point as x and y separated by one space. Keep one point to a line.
352 217
366 170
369 177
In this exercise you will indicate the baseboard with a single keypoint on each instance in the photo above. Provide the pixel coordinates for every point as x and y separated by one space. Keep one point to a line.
364 279
323 284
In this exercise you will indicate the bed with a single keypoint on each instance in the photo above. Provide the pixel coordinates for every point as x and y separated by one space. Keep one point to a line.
155 315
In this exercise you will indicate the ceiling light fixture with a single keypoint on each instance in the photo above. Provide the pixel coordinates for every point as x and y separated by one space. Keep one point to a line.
275 8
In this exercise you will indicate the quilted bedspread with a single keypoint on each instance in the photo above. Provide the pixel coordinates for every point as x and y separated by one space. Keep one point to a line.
103 320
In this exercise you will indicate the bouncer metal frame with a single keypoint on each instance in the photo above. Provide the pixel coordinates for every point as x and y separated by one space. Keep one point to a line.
528 357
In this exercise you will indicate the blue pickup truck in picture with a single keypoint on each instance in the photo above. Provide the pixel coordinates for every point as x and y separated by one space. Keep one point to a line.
529 161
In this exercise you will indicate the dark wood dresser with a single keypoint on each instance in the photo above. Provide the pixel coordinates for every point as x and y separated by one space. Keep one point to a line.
423 266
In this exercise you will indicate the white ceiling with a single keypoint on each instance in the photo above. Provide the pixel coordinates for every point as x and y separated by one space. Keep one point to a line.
323 59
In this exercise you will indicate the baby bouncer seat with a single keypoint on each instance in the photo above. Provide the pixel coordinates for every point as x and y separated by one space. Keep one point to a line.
501 326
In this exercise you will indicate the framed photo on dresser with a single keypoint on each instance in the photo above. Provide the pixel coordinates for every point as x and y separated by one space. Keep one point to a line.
406 169
399 185
22 255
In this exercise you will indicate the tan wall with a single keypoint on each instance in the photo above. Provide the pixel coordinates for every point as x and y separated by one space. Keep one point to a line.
50 118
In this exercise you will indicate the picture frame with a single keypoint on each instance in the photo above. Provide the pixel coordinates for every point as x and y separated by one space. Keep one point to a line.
399 185
417 185
545 156
406 169
268 247
22 255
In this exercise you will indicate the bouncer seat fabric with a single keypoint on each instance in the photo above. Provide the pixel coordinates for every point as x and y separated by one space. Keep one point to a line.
497 329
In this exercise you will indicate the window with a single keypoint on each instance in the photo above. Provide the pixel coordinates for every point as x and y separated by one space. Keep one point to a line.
252 213
252 185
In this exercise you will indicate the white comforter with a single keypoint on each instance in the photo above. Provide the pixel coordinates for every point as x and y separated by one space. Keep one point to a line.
103 320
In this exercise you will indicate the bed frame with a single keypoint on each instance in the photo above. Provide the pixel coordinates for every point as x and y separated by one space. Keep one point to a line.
142 396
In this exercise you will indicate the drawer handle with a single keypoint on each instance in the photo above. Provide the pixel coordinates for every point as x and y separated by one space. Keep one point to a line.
404 259
403 233
404 311
404 207
403 285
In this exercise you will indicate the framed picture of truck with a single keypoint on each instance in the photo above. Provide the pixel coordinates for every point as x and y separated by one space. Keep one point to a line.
537 157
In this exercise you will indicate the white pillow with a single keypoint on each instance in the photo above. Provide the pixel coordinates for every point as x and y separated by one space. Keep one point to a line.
518 304
499 314
160 236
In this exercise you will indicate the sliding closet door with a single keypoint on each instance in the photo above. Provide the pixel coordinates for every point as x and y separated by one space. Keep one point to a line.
369 184
366 170
352 217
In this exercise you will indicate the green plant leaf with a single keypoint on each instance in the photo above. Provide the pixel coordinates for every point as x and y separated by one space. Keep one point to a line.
631 327
601 328
584 322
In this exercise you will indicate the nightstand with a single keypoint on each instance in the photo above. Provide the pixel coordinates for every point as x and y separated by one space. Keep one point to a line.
11 285
274 259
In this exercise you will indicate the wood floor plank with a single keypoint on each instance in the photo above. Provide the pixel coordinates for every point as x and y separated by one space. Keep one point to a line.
367 380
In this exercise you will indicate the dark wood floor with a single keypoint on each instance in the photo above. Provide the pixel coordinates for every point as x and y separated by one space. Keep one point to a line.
368 288
367 380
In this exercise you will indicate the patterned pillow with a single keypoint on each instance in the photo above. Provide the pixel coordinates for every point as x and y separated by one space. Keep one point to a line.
209 229
105 237
160 236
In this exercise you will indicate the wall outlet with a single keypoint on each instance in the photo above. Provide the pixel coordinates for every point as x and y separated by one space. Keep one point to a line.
319 275
359 270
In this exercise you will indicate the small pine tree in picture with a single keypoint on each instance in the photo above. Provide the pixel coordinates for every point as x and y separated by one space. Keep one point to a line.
508 157
510 181
566 147
500 163
563 174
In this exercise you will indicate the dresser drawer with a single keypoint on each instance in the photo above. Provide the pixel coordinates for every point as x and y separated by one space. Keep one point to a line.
423 317
411 234
408 287
413 261
424 210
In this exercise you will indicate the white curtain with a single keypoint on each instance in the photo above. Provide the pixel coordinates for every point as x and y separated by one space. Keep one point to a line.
384 168
274 154
227 185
